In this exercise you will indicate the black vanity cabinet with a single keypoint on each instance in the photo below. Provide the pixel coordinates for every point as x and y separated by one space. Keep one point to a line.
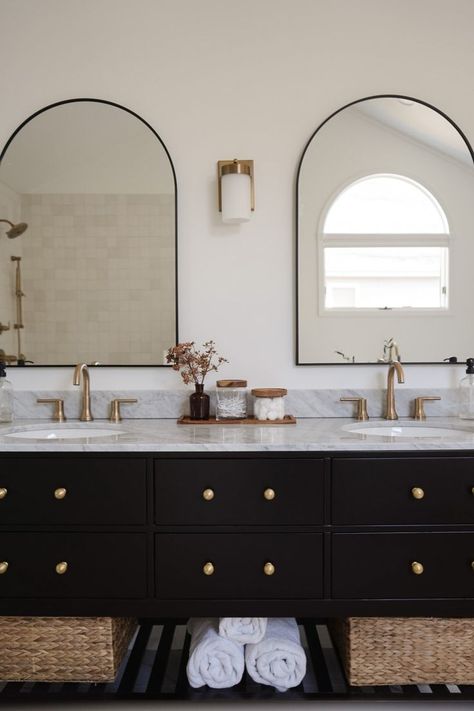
197 534
167 536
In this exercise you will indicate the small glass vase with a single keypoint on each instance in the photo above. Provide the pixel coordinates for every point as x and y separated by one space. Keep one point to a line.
199 403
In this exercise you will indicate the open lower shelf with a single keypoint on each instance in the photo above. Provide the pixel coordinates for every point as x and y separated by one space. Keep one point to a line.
155 668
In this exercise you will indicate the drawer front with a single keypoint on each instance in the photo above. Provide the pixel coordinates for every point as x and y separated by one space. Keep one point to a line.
238 491
238 562
379 565
98 565
380 491
97 491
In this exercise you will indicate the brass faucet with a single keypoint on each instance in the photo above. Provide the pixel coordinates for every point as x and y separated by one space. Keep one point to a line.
81 368
395 365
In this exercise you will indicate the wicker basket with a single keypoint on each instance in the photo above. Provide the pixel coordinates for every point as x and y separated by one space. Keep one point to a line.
87 649
405 650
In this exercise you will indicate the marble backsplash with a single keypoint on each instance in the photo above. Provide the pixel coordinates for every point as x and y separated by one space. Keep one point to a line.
174 403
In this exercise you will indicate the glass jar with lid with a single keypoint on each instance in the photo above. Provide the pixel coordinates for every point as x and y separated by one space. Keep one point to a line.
231 399
269 403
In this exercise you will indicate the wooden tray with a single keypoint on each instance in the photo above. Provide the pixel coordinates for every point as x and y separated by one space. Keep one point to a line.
287 420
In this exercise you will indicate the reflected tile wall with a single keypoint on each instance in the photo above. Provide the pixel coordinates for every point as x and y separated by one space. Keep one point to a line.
99 277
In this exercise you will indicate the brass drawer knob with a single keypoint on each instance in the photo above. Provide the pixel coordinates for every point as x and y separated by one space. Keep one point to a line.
472 565
3 492
269 494
61 568
268 568
60 493
417 568
417 492
208 494
3 567
208 569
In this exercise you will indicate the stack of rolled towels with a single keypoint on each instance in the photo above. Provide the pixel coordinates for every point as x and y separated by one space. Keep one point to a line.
221 648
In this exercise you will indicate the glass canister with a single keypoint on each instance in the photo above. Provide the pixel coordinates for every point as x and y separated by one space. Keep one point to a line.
231 397
269 403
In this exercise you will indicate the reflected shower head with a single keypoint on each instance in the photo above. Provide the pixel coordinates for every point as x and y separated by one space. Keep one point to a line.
15 230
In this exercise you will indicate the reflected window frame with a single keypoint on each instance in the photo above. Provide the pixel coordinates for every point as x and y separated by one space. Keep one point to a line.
385 239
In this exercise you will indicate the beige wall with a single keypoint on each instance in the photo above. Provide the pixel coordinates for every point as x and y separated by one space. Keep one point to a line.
248 78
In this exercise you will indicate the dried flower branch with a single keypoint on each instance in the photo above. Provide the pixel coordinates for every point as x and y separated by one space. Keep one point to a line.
194 364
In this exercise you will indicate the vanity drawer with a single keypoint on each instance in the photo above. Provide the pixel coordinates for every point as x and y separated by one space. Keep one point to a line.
238 562
379 565
109 565
380 491
97 491
239 491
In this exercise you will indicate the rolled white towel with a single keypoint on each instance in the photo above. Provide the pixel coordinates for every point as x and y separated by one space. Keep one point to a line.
213 660
244 630
279 659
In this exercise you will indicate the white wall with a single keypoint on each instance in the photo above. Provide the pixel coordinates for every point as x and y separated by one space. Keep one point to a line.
246 78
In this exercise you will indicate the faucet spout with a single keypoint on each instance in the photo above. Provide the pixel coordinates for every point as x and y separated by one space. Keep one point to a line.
81 369
395 366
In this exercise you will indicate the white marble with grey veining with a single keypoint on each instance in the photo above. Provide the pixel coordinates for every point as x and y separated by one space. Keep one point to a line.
308 435
151 403
173 403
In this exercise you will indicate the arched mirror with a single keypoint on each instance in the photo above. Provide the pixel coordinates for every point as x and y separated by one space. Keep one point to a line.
87 239
384 236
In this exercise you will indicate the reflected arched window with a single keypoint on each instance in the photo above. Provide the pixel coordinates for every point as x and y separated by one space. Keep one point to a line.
385 245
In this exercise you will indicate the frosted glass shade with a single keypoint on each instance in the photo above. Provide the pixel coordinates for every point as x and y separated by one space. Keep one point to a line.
235 191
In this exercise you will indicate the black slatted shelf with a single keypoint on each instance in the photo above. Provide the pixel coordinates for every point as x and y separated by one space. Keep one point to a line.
155 669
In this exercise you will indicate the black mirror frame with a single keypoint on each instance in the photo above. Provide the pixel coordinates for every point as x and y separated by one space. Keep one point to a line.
140 118
308 143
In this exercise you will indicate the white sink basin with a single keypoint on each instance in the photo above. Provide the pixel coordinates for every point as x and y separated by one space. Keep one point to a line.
52 433
378 429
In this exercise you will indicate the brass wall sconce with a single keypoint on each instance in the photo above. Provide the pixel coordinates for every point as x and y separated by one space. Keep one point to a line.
236 190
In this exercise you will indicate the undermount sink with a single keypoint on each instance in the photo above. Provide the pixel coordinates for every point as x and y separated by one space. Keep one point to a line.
378 429
56 432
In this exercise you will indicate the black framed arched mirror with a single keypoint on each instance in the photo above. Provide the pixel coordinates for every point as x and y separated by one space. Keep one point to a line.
93 277
384 236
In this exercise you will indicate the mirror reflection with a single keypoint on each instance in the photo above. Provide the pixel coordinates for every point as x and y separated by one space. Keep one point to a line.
385 247
87 239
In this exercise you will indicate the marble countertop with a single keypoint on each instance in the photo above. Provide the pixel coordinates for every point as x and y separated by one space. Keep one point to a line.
165 435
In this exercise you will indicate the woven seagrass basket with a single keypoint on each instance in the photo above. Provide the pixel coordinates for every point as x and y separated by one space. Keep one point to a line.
405 650
81 649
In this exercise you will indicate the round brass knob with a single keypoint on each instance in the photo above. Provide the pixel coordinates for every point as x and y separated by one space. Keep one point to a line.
60 493
61 567
417 568
417 492
268 568
208 494
3 567
269 494
3 492
208 568
472 565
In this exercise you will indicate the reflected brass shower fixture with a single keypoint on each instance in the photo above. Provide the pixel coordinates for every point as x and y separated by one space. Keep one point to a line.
15 230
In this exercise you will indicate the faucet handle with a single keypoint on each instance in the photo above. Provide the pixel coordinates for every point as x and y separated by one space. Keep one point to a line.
115 415
58 413
362 413
419 406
